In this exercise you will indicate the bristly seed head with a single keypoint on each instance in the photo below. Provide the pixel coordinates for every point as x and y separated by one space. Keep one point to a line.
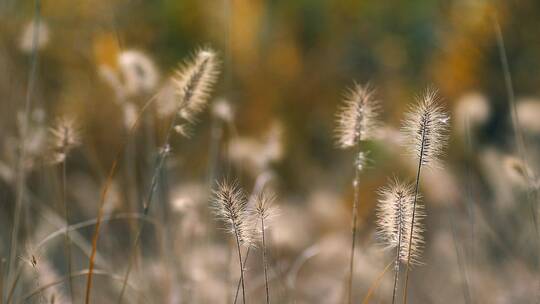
264 208
193 83
230 206
357 117
64 137
426 128
394 217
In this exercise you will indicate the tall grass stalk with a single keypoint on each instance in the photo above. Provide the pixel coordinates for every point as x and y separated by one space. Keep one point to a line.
532 191
264 211
265 263
103 196
240 280
241 266
394 213
425 127
397 265
356 122
64 137
67 240
354 228
20 179
230 206
416 186
461 263
193 82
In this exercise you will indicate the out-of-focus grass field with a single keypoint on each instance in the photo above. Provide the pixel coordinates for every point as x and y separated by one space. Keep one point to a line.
284 67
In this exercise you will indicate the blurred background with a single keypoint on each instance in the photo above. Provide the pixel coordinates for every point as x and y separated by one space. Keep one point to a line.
284 69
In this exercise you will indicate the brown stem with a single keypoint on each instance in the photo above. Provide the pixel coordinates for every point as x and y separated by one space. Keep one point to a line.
421 158
397 265
241 266
265 263
101 209
354 229
67 239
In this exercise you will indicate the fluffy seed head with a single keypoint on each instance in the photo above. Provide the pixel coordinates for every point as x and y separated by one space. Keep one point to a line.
230 206
357 117
64 137
139 72
394 217
193 82
425 128
264 208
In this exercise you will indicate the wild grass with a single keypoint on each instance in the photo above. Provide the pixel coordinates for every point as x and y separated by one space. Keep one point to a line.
426 127
192 218
64 138
356 122
230 204
22 149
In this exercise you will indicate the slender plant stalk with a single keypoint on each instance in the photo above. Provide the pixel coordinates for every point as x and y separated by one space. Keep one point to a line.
461 264
518 134
375 284
1 280
241 266
194 91
520 142
103 196
24 131
146 207
417 183
12 289
532 193
397 264
469 198
240 280
265 263
356 122
67 240
353 229
101 211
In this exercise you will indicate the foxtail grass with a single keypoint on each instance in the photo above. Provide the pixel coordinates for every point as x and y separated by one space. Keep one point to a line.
264 211
394 216
356 122
103 196
230 206
425 127
193 83
20 180
65 137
